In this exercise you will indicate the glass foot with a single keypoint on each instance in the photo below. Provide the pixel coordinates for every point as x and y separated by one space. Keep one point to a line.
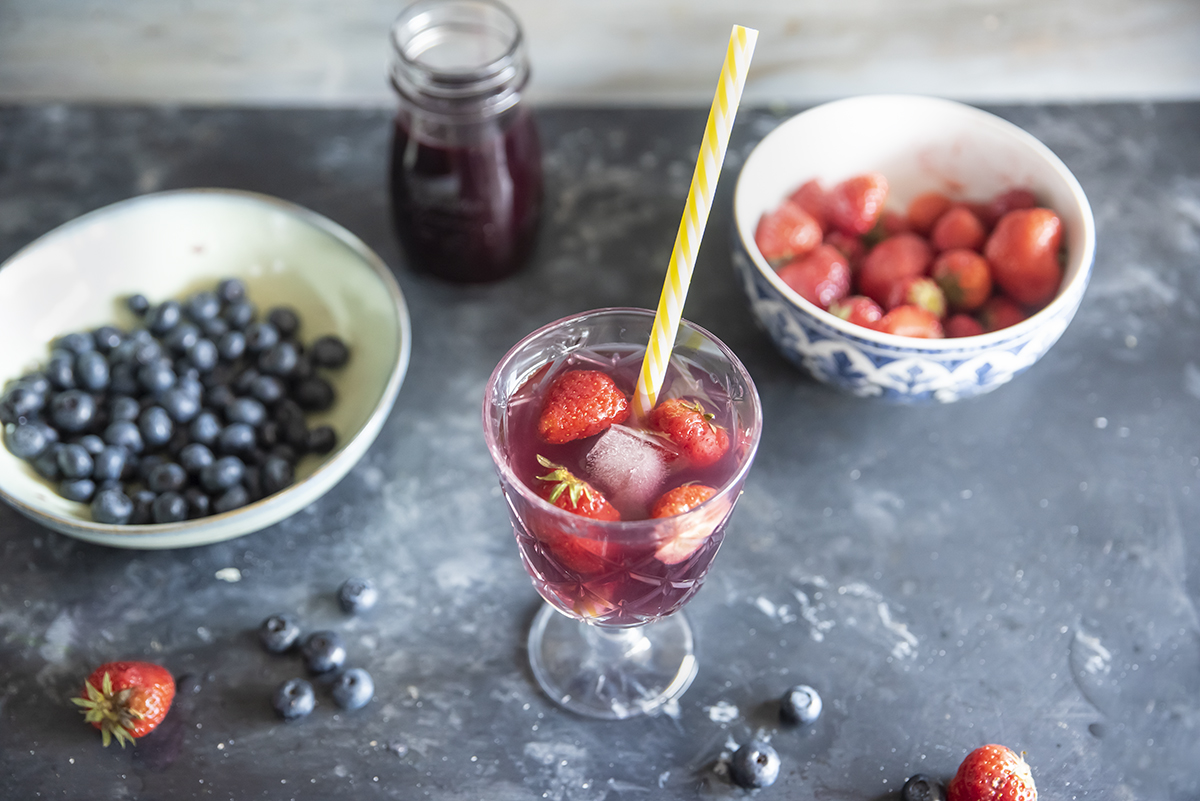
611 673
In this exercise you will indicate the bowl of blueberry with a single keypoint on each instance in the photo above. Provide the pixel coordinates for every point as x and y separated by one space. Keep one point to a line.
910 248
190 366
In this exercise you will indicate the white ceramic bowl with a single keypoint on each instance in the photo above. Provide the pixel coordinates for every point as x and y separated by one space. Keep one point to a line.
169 245
919 144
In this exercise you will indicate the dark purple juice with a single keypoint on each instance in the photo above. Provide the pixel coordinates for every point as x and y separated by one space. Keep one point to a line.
468 213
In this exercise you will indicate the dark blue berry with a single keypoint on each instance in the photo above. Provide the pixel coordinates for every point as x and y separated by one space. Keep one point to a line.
156 426
352 689
74 461
198 504
203 355
233 498
167 477
278 633
219 396
91 443
215 328
357 595
801 704
321 440
46 463
123 407
323 651
280 359
24 400
240 314
147 351
61 370
285 320
260 336
122 379
222 474
245 381
72 410
232 345
252 482
80 490
314 394
157 376
329 351
143 505
236 438
277 474
109 463
195 456
294 699
107 337
146 465
231 290
26 441
91 371
35 382
920 787
180 404
268 389
203 306
205 428
126 434
182 338
164 317
112 507
170 507
75 342
137 304
303 370
246 410
755 764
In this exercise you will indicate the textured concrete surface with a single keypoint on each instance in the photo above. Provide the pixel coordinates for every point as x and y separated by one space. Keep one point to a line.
1021 568
312 52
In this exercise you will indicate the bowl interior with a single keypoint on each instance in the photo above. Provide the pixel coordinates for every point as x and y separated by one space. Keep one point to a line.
919 144
172 244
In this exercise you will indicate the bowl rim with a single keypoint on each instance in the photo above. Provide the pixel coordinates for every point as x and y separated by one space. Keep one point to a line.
330 470
1068 294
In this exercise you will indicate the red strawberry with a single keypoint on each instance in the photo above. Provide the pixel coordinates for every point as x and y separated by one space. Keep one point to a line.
1023 252
958 228
964 277
786 233
681 499
1002 204
851 247
893 259
962 325
857 309
811 197
821 277
126 700
1000 312
566 491
911 321
855 204
925 209
581 403
992 773
691 428
921 291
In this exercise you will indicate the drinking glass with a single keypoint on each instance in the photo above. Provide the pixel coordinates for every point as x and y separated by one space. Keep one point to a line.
610 641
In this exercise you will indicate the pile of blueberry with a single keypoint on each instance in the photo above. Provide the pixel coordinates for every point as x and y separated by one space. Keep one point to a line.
756 763
199 411
324 655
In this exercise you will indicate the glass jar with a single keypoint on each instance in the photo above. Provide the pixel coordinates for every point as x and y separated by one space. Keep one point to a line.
466 170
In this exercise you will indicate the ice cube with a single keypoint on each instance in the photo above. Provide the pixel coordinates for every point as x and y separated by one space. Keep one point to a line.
630 467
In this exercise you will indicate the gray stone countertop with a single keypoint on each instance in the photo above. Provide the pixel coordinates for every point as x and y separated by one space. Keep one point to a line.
1021 568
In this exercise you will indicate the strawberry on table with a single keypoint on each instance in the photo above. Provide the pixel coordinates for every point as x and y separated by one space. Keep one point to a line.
581 403
126 700
691 428
787 233
992 773
821 277
855 204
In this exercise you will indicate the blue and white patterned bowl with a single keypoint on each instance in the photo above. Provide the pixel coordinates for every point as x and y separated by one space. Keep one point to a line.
920 144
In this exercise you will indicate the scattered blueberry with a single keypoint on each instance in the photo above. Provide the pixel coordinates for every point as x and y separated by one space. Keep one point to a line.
755 764
352 689
801 704
323 651
278 633
330 351
294 699
357 595
112 507
137 304
922 788
314 394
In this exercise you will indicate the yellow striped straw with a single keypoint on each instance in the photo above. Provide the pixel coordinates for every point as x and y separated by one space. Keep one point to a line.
695 216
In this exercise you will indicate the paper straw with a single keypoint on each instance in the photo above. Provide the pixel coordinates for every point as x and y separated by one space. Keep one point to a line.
695 216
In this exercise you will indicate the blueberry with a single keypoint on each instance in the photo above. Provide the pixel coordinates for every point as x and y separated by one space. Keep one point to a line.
278 633
755 764
280 359
109 464
203 355
126 434
24 401
198 504
285 452
190 384
77 489
137 304
268 389
146 465
234 498
46 463
123 407
180 404
231 290
314 394
163 317
147 351
203 306
303 369
277 474
236 438
357 595
35 382
26 441
74 461
294 699
156 426
166 477
170 507
91 371
74 342
330 351
252 482
205 428
122 379
920 787
222 474
801 704
219 396
182 337
323 651
195 456
143 504
246 410
91 443
61 370
321 440
231 345
111 506
157 376
240 314
244 381
215 328
260 336
72 410
285 320
352 689
106 338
